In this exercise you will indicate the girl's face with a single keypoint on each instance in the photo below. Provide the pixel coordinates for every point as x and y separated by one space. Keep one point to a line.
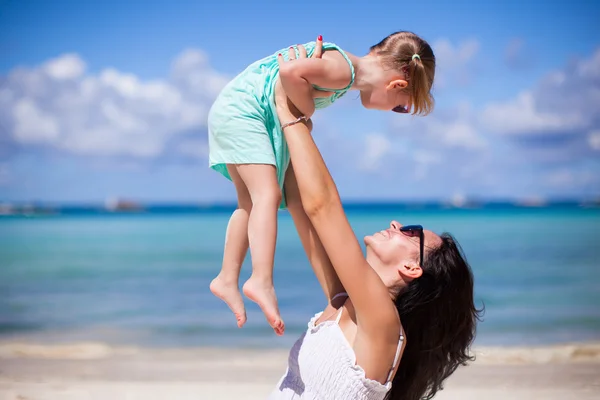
387 96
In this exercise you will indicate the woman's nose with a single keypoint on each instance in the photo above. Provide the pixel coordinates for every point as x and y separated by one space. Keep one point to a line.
395 225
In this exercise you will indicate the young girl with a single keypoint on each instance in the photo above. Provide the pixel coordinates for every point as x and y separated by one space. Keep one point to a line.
247 146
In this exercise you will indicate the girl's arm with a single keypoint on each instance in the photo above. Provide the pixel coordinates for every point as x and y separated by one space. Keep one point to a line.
374 309
317 256
331 71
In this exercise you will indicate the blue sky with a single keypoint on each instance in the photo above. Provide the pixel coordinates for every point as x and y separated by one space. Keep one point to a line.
109 99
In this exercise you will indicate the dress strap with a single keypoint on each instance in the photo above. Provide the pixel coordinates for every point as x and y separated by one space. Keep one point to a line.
339 316
397 357
337 296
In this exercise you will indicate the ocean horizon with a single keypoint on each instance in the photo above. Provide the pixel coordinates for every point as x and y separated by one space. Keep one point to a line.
119 206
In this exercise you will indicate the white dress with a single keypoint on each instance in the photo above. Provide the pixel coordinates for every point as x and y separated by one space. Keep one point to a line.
322 366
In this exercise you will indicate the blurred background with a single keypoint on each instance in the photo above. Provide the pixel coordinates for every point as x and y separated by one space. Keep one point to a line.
113 225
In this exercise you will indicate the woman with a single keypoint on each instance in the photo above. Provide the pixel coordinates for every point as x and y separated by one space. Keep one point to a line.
399 320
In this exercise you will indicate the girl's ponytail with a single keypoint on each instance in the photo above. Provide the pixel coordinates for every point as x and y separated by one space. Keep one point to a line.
419 85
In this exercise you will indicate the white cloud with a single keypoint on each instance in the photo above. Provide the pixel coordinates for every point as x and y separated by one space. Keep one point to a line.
192 71
455 128
567 100
424 160
376 147
379 153
589 68
193 148
68 66
520 116
33 125
594 139
426 157
58 104
454 62
566 178
558 118
457 133
560 178
453 56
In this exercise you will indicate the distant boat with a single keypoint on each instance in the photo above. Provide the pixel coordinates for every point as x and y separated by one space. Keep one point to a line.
7 209
27 210
532 202
459 200
116 205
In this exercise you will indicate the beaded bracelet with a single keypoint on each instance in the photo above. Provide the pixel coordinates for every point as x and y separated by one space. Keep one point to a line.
301 118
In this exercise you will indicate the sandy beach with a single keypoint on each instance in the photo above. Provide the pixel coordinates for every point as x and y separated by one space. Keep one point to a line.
98 371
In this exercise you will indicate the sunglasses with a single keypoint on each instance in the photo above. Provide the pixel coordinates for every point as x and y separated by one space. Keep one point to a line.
401 109
414 231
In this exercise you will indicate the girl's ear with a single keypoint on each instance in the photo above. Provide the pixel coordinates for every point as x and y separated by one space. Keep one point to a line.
397 84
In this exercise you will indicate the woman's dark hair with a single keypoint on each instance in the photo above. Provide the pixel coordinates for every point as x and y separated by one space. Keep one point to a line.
438 315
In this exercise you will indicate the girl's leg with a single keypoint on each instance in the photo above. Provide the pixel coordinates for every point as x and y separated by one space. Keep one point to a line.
261 181
226 285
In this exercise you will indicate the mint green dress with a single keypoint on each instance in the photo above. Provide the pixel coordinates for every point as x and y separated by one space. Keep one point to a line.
243 127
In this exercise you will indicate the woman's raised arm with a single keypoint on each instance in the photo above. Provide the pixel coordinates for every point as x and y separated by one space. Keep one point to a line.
323 206
316 254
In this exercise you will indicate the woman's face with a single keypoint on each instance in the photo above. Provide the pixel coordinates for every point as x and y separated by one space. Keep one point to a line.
394 255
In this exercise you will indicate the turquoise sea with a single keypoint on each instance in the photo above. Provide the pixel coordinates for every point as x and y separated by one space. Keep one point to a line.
142 278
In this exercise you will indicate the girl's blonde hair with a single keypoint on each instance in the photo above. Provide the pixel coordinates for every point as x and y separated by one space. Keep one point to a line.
407 52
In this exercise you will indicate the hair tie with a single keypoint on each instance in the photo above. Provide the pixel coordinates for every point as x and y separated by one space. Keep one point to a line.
416 56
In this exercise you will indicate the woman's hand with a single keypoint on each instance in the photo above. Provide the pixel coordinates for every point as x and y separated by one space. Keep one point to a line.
286 110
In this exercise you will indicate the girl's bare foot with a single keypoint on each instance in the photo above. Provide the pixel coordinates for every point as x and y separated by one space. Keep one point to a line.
263 293
229 292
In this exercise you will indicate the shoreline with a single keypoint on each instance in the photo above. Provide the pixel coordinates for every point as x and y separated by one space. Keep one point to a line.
93 370
575 352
